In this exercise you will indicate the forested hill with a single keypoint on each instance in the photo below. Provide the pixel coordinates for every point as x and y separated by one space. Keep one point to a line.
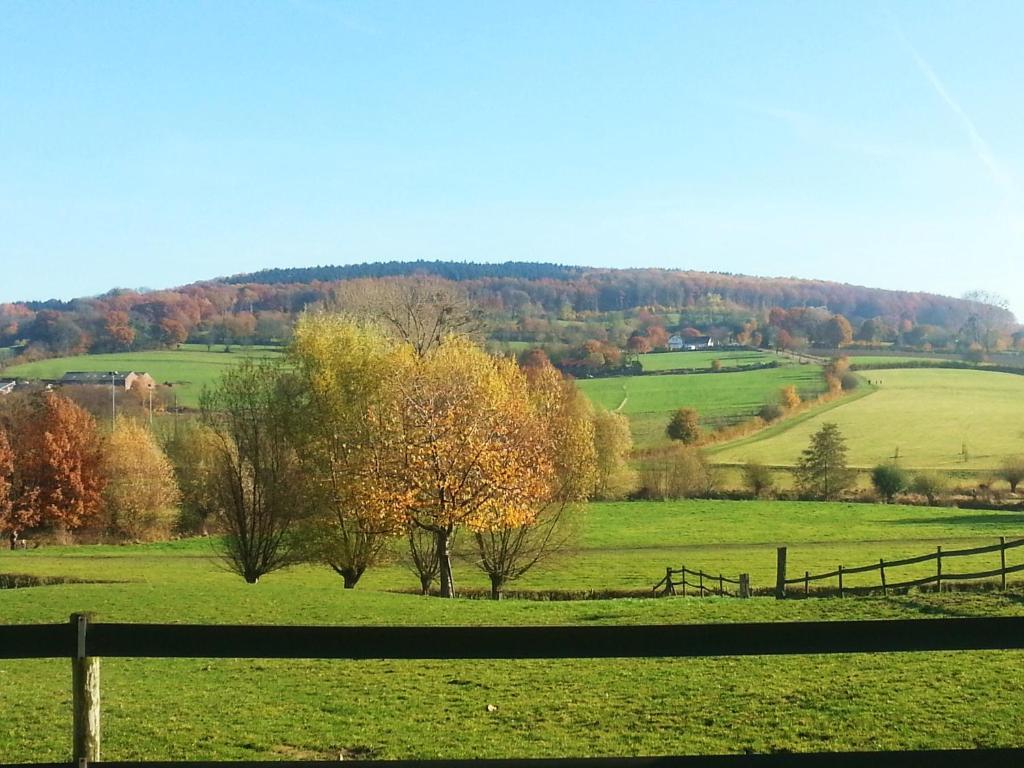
554 287
523 302
449 270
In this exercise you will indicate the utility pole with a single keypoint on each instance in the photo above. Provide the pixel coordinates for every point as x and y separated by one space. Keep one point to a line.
113 400
150 408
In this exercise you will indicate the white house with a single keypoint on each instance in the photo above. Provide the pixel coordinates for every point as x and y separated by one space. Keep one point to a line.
690 343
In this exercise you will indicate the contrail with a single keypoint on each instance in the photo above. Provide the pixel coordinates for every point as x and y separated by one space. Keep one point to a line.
981 147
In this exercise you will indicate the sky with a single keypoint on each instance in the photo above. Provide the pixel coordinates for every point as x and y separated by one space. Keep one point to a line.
155 144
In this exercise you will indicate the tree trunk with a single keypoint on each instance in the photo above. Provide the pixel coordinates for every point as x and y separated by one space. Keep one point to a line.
444 561
425 584
497 583
351 578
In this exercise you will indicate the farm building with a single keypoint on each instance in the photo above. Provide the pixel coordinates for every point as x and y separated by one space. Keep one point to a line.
677 343
98 378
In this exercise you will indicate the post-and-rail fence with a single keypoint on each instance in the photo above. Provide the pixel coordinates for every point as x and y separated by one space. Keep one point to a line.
706 584
885 568
84 642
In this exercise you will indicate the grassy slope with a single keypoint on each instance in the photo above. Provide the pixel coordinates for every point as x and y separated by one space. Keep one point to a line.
928 414
667 361
192 709
722 397
189 370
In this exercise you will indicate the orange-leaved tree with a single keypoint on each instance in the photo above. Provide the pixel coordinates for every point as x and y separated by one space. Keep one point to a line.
564 419
6 481
58 464
474 450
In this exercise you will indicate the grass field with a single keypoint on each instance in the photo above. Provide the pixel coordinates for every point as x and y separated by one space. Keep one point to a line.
238 709
928 414
722 398
883 360
188 370
668 361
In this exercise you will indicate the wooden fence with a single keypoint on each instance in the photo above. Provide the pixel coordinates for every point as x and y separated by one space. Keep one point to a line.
85 642
705 584
884 569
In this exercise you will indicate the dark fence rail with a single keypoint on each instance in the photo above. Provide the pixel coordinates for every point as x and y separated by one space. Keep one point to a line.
705 584
85 643
882 566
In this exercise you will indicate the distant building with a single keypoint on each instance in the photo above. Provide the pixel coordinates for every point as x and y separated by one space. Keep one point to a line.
690 343
123 381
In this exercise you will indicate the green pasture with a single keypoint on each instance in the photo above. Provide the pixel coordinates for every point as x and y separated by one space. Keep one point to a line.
279 710
187 370
883 360
700 360
720 398
929 415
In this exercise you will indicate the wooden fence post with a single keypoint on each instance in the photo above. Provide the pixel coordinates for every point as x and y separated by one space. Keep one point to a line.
1002 563
840 581
669 588
721 586
744 585
85 696
938 569
881 568
700 577
682 572
780 574
807 583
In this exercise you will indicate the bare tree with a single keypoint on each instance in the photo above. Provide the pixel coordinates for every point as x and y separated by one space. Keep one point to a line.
255 476
423 558
506 553
990 318
420 311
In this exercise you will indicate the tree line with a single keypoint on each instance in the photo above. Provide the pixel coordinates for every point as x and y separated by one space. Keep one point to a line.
361 437
538 303
58 472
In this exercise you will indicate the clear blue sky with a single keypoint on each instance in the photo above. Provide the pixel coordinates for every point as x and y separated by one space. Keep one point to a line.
153 144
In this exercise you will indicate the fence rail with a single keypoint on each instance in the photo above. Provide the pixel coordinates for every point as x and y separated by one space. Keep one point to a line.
85 642
938 556
668 584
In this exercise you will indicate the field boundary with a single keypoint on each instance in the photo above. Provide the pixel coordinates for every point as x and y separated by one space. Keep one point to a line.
785 424
85 643
885 585
742 583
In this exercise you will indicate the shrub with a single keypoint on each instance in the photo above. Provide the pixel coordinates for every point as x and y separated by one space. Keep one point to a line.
758 479
789 397
684 426
888 480
771 411
682 473
849 381
1012 471
931 485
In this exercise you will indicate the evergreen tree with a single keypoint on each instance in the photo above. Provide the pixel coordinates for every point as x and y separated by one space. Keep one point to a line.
821 471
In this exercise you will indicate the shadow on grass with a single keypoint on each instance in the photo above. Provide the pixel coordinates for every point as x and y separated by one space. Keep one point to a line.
993 519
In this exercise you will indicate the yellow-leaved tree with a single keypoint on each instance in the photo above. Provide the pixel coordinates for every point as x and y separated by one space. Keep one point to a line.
141 494
564 419
474 448
350 440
